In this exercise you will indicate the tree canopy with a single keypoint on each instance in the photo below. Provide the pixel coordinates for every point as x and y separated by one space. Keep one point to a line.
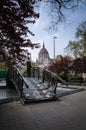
81 35
78 48
61 67
13 28
78 65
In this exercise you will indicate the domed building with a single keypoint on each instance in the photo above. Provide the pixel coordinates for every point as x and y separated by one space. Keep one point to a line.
43 57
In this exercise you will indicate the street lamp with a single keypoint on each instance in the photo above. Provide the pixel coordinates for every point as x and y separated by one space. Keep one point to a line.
54 48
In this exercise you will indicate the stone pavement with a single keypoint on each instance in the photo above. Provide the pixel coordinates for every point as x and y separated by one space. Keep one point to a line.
67 114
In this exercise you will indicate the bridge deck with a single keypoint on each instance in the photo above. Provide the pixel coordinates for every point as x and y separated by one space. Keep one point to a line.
37 90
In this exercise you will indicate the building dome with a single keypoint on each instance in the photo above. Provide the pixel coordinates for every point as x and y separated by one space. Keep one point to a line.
43 55
43 51
43 58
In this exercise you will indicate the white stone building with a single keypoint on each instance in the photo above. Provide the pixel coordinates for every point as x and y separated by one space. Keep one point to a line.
43 58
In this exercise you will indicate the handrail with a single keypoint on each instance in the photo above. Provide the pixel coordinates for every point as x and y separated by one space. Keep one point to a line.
18 80
46 74
57 76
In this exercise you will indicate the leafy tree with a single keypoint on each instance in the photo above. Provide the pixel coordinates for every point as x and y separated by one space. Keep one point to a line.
58 58
74 48
61 67
13 29
78 48
81 34
78 65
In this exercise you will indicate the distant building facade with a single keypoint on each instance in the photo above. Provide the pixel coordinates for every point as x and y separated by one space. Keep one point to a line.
43 58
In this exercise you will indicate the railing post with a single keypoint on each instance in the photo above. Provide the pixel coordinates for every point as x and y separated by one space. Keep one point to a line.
49 80
33 72
43 78
38 73
29 68
21 89
55 90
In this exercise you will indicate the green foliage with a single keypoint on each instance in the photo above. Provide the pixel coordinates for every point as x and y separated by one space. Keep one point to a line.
3 72
74 48
78 48
81 34
24 70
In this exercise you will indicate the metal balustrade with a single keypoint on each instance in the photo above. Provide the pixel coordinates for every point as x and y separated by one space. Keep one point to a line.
40 85
47 76
15 77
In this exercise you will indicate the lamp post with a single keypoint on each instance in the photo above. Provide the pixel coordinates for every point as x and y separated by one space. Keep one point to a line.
54 48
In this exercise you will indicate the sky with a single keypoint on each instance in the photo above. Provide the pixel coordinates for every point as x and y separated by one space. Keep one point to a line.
65 33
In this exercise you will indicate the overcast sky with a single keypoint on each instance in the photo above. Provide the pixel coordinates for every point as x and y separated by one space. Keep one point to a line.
65 33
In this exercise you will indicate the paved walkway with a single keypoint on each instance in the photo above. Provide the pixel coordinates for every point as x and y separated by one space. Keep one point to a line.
67 114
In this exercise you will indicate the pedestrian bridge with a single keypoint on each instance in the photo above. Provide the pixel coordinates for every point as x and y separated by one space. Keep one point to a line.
40 85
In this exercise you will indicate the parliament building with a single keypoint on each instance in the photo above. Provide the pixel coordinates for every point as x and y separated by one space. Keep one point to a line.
43 58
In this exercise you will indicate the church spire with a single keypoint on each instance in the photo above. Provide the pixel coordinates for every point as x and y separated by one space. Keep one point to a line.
43 45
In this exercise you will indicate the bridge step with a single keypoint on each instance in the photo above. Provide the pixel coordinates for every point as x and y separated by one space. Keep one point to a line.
37 91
